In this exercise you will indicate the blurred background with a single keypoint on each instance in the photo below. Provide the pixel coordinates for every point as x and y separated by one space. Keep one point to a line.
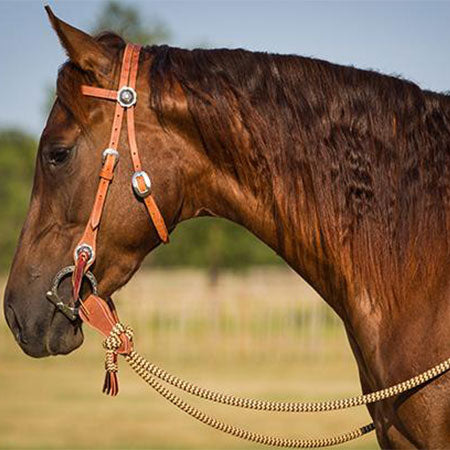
215 306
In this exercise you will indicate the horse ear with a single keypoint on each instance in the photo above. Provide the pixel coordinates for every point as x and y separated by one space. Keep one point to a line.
82 49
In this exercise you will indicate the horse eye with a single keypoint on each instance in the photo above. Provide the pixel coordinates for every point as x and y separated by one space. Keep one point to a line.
58 155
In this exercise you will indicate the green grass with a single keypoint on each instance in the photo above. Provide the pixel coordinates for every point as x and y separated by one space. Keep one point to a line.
264 335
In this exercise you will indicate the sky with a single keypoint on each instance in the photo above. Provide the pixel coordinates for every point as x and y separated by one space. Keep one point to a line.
408 38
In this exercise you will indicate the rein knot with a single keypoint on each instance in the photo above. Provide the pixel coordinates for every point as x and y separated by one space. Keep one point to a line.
120 337
114 341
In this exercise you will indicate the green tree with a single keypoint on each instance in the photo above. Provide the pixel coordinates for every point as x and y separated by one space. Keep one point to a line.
17 155
213 244
126 21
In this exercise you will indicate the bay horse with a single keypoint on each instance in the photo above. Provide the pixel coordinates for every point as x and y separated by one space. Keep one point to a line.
345 173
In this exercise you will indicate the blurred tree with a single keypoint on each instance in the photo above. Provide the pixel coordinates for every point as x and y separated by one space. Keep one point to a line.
126 21
214 244
17 155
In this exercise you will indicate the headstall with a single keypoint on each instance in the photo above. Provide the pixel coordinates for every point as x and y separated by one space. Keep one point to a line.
93 309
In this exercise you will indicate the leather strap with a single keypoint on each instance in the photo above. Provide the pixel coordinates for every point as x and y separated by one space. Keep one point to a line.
128 76
149 201
90 233
101 316
93 91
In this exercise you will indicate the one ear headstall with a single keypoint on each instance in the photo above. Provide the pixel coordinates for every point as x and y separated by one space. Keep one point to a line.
126 99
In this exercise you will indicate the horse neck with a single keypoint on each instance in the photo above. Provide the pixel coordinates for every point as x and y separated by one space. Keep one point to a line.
373 320
371 280
268 215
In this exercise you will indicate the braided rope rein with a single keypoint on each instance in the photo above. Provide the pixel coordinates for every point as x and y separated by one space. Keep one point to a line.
148 371
274 441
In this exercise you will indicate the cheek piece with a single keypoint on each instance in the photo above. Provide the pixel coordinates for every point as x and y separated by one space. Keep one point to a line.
95 311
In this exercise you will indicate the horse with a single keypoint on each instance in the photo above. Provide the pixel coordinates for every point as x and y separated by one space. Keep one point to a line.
345 173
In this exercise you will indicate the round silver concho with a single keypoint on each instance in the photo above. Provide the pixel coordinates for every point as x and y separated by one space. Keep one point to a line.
71 312
126 96
87 249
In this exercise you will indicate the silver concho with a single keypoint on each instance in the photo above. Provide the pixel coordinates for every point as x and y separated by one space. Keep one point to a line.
126 96
84 248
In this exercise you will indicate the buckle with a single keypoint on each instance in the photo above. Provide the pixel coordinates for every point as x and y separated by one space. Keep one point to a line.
110 151
86 248
126 96
138 190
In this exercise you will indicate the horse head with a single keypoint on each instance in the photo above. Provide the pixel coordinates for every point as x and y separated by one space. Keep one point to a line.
68 162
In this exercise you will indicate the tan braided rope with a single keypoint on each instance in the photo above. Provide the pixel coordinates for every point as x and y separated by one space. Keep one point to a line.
147 371
295 407
134 360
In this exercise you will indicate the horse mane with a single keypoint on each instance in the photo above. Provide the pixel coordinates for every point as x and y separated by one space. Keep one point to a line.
362 157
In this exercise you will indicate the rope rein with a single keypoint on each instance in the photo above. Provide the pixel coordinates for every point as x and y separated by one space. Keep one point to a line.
135 360
149 372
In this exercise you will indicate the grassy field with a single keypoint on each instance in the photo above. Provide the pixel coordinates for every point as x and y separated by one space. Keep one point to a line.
263 334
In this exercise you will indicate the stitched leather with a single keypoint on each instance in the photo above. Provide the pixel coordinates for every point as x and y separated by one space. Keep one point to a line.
157 218
98 314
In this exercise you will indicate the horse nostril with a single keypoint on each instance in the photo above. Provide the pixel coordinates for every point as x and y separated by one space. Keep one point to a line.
14 324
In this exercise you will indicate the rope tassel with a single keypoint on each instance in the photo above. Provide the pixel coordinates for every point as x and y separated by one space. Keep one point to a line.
111 383
118 335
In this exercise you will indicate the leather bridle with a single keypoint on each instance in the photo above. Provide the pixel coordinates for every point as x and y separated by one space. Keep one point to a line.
85 251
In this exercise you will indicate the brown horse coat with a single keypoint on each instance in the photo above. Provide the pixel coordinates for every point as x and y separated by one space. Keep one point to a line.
345 173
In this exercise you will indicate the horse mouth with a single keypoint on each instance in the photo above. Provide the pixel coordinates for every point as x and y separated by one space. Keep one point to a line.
59 337
64 335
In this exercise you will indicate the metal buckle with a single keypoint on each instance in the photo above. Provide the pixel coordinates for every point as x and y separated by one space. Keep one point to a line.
110 151
84 248
126 96
71 312
136 188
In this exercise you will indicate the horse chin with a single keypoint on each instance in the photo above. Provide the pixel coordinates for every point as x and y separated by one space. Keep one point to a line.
62 337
